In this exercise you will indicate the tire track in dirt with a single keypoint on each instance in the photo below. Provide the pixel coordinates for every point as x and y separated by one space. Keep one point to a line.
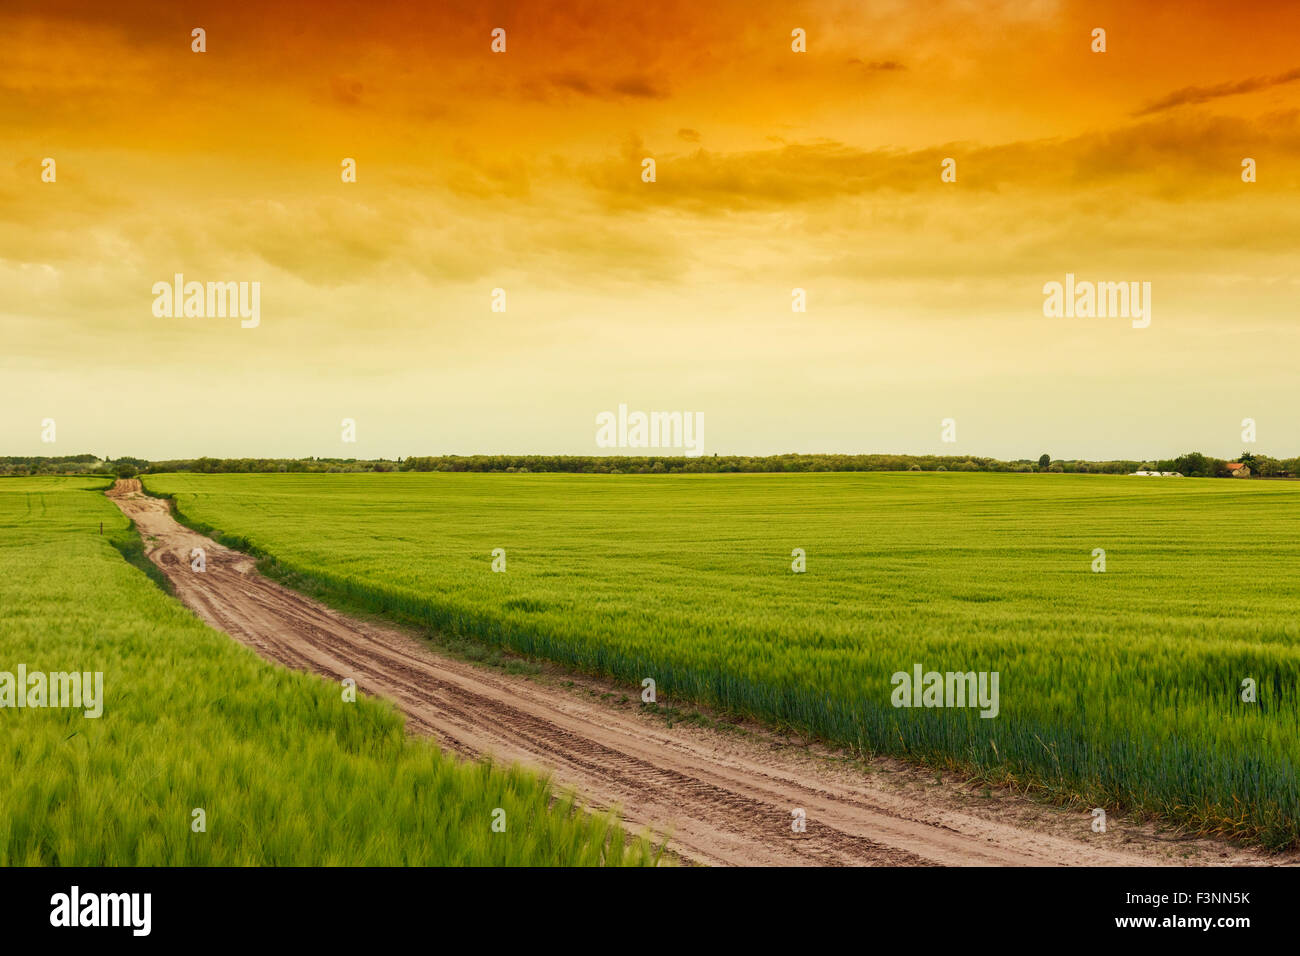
724 799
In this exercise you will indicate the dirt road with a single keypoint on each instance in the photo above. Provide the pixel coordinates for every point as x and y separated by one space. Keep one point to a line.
726 797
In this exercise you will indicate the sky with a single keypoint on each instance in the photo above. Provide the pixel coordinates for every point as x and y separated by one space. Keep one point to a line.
523 171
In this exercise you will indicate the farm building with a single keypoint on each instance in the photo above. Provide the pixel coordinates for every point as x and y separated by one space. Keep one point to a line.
1237 469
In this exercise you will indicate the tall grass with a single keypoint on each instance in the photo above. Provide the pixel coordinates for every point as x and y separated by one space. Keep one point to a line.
1122 688
285 770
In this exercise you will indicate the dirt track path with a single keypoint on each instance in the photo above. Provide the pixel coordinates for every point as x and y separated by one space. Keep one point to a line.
725 798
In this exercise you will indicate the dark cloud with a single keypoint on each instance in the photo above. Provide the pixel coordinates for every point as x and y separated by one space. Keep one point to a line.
346 90
638 86
579 84
877 66
574 83
1201 94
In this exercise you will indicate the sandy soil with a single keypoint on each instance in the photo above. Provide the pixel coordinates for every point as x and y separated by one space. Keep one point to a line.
723 795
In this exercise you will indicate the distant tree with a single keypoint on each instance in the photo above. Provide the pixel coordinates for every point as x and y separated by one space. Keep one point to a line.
126 470
1044 461
1193 465
1266 467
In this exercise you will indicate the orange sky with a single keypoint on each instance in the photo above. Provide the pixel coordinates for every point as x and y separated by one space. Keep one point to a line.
521 171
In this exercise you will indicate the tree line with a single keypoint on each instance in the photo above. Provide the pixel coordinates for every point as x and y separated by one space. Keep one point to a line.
1192 464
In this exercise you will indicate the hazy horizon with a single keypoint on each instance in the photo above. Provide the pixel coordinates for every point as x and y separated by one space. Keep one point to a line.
648 453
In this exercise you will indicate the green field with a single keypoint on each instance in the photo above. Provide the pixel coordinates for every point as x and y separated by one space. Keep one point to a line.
1120 688
286 772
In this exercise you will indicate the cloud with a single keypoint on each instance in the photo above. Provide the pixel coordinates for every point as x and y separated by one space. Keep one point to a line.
1174 158
347 89
574 83
638 86
1202 94
877 66
630 86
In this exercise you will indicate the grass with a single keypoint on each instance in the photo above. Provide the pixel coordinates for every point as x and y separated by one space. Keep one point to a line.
286 772
1120 688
